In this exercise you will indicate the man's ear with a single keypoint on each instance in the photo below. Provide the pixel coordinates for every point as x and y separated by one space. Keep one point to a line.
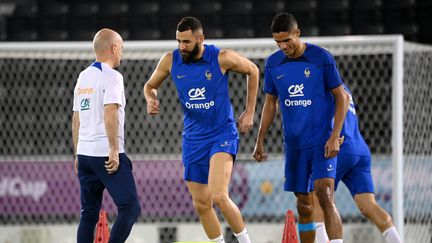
114 48
201 38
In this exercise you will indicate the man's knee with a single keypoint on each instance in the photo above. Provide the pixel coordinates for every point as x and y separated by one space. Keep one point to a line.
304 208
202 205
132 209
220 199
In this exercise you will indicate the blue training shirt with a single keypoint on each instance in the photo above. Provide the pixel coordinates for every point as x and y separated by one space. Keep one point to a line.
354 142
203 93
303 87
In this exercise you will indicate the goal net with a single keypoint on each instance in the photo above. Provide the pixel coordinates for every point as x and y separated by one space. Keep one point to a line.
391 81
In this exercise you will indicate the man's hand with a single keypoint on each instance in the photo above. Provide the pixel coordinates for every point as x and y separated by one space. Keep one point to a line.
113 162
332 146
245 121
153 107
259 153
76 165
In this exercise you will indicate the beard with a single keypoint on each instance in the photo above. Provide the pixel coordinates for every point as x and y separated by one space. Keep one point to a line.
190 55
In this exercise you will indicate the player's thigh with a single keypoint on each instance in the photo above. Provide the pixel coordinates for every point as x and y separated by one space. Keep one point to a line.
121 184
298 170
322 167
91 187
196 159
359 178
345 163
199 192
221 165
222 155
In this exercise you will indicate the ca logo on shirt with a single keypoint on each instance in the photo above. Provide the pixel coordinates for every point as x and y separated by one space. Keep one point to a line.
296 90
197 94
85 104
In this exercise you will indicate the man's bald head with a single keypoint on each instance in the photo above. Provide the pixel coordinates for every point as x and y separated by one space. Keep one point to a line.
104 39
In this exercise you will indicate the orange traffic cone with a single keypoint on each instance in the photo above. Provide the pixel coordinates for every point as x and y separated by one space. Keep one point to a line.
102 229
290 231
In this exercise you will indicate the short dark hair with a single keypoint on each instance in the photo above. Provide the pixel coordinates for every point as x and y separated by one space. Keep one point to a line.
189 23
283 22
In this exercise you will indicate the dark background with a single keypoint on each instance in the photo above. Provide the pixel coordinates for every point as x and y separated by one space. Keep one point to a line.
57 20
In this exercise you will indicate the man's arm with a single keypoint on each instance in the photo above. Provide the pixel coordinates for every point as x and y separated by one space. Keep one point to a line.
232 61
267 117
75 133
159 75
342 103
111 128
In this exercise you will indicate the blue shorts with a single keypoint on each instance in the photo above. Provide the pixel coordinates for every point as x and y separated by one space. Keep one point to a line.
355 172
196 157
304 166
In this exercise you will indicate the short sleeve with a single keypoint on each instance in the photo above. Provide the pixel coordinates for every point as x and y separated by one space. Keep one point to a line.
332 77
114 89
269 86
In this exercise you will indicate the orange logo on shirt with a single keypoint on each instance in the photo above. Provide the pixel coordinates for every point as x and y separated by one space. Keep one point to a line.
85 91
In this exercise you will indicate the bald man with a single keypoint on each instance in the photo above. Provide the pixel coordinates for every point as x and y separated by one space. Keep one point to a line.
98 138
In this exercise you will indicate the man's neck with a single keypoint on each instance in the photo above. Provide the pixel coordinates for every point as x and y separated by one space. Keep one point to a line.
200 53
300 50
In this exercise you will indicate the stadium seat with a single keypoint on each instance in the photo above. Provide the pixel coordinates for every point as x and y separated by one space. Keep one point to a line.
294 6
400 16
48 8
239 32
424 4
3 29
263 13
213 32
334 30
333 6
368 29
114 9
7 9
269 7
333 12
117 23
238 7
311 30
425 33
366 17
82 34
207 7
145 34
23 35
84 9
85 23
176 8
143 8
53 35
362 5
410 30
26 9
398 4
170 16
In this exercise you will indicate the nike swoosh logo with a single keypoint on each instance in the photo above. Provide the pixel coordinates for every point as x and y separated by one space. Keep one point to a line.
181 76
280 76
329 169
